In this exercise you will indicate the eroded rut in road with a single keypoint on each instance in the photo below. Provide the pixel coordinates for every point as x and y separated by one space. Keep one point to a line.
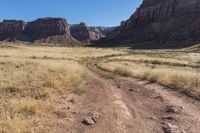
127 105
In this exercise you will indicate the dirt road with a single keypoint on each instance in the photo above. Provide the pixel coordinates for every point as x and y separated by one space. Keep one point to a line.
127 105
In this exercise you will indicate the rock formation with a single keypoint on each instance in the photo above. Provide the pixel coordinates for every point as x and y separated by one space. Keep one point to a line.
160 24
104 30
86 34
11 29
50 30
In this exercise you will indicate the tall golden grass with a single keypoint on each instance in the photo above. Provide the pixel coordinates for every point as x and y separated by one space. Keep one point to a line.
25 84
34 80
184 79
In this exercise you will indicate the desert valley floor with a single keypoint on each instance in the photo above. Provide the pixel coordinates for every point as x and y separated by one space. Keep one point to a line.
98 90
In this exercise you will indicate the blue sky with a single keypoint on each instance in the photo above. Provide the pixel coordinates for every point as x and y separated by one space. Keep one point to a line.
92 12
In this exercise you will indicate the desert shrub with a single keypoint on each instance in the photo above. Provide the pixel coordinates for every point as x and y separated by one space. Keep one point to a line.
122 71
61 113
156 62
10 89
109 75
41 93
33 57
80 89
198 62
28 107
152 77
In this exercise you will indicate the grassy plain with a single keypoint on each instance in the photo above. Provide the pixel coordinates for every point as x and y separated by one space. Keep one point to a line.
175 69
36 81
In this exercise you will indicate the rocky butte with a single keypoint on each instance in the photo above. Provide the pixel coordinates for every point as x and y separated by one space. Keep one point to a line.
53 30
82 33
11 29
160 24
87 34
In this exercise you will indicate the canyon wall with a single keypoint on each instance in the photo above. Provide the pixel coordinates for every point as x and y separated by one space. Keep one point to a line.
87 34
160 24
51 30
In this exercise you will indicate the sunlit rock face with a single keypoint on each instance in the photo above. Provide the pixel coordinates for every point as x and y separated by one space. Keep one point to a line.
160 24
54 30
87 34
50 30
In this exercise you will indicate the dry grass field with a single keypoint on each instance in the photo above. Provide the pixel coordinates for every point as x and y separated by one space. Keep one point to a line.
175 69
35 81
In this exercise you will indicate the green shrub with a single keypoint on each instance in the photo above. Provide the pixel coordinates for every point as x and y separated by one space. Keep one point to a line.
156 62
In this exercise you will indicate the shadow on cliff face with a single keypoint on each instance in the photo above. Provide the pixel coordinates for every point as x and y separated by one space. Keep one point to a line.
144 45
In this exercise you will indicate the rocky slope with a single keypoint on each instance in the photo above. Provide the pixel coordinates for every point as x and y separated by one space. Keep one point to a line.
160 24
53 30
87 34
104 30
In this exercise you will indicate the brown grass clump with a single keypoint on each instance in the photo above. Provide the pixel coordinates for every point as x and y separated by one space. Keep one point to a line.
16 125
122 71
61 113
80 89
29 107
14 114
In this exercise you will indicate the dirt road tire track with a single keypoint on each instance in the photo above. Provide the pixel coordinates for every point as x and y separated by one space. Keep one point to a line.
128 105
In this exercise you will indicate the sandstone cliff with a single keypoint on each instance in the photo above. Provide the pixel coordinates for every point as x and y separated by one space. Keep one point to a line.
11 29
86 34
160 24
50 30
